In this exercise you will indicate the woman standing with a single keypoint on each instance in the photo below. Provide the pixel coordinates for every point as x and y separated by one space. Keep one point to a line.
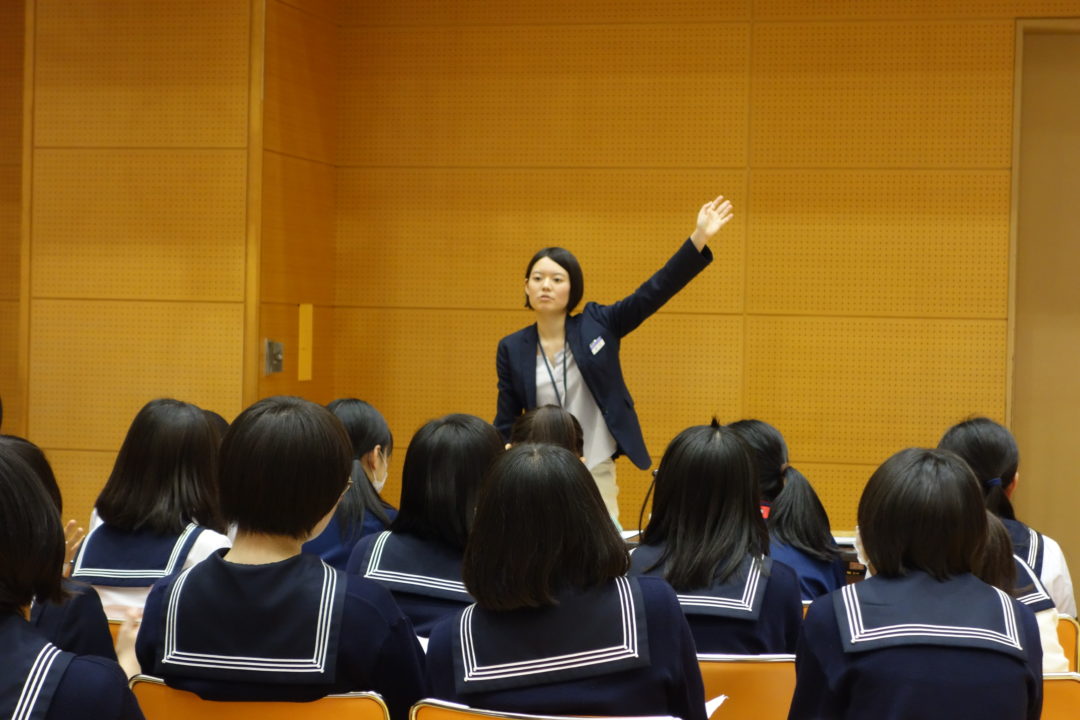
573 360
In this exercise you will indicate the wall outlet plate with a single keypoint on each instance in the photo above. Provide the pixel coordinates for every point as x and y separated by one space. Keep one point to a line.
273 357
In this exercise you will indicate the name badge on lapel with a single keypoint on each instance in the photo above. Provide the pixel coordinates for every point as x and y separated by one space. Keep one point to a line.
596 345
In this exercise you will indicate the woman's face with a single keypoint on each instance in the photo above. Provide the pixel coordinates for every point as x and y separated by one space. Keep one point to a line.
548 286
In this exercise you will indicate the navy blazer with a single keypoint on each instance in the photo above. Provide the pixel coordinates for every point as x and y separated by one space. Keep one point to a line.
593 336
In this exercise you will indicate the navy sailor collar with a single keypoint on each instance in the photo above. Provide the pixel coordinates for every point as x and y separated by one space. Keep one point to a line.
739 596
405 563
223 621
916 609
119 558
588 633
1026 542
33 669
1029 589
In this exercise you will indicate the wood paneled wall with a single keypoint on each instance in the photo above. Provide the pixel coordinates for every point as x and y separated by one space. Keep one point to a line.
11 118
859 300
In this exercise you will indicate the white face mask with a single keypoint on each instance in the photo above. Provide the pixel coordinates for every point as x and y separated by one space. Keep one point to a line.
378 484
860 553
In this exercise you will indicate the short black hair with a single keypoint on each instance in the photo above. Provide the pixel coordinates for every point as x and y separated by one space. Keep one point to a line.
549 424
166 473
990 451
707 510
31 537
566 260
540 527
922 510
33 456
284 463
366 428
445 462
770 454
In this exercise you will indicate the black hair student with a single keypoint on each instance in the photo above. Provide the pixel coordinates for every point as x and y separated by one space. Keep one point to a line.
557 626
263 621
923 637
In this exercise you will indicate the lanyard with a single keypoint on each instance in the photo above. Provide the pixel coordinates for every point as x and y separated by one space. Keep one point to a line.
555 385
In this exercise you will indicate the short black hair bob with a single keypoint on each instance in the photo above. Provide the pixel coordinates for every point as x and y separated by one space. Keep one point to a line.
166 473
33 456
284 463
444 465
31 537
549 424
707 509
540 527
366 428
990 451
922 510
566 260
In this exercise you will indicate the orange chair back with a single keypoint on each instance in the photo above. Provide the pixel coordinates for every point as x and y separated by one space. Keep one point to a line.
114 629
1061 696
431 709
1069 636
158 701
757 686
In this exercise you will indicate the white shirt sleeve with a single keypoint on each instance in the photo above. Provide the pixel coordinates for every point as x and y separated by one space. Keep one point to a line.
207 542
1054 659
1055 576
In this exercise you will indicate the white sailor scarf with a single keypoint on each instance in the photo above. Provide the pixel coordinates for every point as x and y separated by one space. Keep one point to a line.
403 563
916 609
739 596
33 668
118 558
273 623
1029 589
588 633
1027 543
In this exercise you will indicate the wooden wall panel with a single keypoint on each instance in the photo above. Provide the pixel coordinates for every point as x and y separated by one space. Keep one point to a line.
279 322
130 73
329 10
553 12
81 474
10 229
773 10
147 224
10 390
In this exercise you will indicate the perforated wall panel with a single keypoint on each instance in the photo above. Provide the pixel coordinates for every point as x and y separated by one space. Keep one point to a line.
279 322
768 10
554 12
81 474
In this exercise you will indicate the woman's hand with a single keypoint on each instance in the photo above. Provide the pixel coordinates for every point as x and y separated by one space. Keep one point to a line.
125 642
712 216
73 537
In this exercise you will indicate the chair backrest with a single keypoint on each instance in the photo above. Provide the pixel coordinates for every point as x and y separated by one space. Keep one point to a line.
431 709
114 629
1069 636
161 702
1061 696
757 686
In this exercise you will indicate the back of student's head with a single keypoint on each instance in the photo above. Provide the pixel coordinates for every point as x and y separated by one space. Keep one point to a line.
770 454
166 472
990 451
706 510
540 527
31 537
32 455
922 510
445 462
284 463
549 424
367 429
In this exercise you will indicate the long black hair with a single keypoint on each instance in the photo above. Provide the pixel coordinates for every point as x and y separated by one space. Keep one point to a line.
797 517
367 428
707 508
990 451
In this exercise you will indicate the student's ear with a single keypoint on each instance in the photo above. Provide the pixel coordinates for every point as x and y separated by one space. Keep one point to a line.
507 446
368 459
1011 487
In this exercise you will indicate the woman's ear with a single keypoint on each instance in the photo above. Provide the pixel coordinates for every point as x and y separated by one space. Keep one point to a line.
1011 487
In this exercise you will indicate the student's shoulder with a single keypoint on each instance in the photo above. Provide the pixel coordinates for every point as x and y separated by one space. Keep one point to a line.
368 597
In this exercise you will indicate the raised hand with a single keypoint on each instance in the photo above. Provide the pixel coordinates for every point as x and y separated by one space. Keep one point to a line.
713 215
73 537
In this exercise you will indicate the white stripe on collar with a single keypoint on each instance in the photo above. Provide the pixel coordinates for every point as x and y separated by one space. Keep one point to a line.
745 602
31 690
860 634
314 664
170 567
374 572
628 648
1038 593
1033 547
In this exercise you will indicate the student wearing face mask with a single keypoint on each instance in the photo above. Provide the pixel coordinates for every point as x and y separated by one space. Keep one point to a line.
362 511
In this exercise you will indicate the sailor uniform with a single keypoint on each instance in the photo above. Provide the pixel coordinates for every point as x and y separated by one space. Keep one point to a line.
42 682
334 549
424 576
291 630
621 649
756 610
816 577
917 647
77 624
1044 556
1029 591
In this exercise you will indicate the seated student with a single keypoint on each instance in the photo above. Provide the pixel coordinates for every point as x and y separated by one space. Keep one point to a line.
549 424
707 538
557 627
799 533
40 680
158 513
263 621
362 511
77 623
419 558
923 637
990 450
